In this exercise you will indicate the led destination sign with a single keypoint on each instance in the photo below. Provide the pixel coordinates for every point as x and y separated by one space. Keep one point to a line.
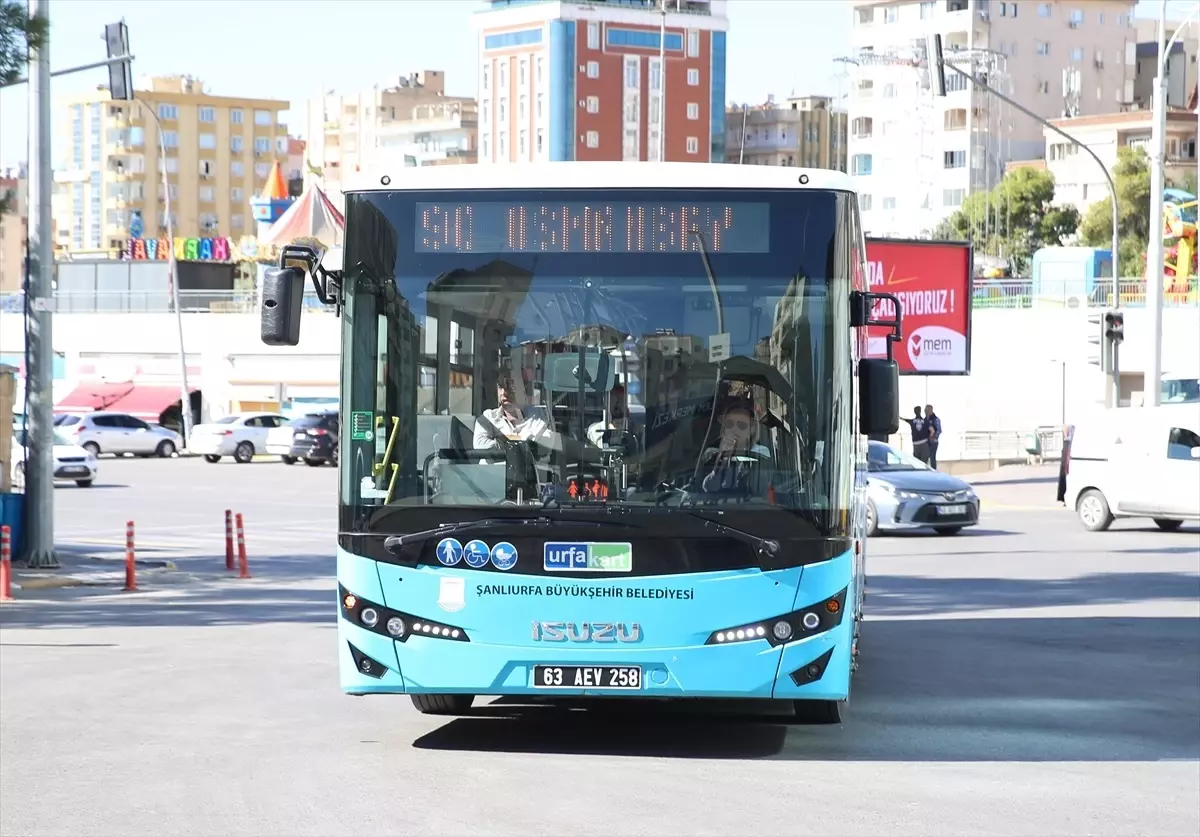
592 227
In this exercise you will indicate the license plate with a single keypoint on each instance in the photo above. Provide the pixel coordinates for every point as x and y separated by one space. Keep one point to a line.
75 470
300 437
951 509
587 677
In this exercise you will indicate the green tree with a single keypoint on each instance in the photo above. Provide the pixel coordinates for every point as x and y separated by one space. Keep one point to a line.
1132 176
18 33
1014 219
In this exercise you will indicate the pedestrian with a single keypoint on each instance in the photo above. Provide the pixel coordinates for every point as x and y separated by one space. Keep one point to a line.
1064 462
920 436
933 425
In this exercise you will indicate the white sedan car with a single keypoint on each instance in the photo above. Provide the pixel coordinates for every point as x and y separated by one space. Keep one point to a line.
71 462
241 436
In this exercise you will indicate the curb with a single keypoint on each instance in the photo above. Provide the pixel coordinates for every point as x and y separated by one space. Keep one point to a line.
57 582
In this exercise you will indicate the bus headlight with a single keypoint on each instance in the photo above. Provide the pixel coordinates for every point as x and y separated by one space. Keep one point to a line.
815 618
394 624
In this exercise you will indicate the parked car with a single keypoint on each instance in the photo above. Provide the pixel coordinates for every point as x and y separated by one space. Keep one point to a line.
117 433
313 438
241 436
905 493
71 462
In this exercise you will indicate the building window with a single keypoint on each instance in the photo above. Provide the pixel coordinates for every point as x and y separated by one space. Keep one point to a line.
502 109
656 74
693 110
236 145
891 14
1076 18
593 31
889 203
541 68
631 73
693 43
485 112
503 74
235 194
236 116
864 203
261 170
593 104
1077 54
927 11
522 143
541 105
207 194
522 107
1043 87
865 16
262 145
889 91
1043 10
522 71
693 77
170 139
263 117
207 141
485 146
237 168
207 114
593 139
860 164
502 145
486 83
541 140
593 69
168 112
953 197
954 159
171 165
693 145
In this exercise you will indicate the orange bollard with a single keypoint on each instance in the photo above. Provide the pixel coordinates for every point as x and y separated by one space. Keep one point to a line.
228 540
130 560
5 564
243 563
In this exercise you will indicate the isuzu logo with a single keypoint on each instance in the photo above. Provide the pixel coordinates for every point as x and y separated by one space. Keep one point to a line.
586 632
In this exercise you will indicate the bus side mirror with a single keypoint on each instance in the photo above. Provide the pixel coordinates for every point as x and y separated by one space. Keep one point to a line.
878 397
282 300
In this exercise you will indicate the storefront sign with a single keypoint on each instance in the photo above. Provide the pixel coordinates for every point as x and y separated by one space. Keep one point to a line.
186 249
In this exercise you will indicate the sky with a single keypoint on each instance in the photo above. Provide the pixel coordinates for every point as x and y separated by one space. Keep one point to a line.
292 49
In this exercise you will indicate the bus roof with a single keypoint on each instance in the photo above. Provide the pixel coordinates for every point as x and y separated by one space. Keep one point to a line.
576 175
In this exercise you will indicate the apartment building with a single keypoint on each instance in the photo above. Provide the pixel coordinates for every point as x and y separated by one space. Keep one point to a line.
1078 179
917 157
805 131
1181 63
14 228
219 151
412 119
597 80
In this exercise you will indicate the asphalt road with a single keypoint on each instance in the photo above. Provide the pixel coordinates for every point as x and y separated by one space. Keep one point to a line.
1025 678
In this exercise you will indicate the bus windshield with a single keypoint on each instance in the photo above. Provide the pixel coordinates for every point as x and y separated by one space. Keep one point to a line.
574 353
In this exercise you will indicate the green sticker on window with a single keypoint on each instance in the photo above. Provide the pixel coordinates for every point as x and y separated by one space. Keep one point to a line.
362 426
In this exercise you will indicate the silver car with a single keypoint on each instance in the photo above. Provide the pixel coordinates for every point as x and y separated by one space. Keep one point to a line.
117 433
905 493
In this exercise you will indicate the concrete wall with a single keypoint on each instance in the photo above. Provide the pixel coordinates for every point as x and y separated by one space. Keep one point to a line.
1020 358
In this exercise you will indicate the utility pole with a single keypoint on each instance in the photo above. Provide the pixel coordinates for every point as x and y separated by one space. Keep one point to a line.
39 327
1152 384
39 298
662 82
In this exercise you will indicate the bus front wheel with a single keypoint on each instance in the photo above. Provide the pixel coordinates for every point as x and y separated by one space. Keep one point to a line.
442 704
819 711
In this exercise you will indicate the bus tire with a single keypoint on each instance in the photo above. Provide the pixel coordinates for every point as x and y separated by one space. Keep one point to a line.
818 711
442 704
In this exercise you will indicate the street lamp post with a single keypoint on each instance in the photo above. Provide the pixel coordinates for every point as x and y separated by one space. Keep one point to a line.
185 395
1155 251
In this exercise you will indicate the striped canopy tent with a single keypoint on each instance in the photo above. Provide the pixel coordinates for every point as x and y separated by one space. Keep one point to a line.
312 216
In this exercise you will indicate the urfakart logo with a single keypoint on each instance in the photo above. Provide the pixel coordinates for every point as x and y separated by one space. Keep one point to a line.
588 557
937 349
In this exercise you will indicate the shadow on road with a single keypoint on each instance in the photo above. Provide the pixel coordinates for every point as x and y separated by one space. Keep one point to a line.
983 690
283 589
969 532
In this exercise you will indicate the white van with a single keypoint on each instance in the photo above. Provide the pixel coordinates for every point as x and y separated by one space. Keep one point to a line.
1136 462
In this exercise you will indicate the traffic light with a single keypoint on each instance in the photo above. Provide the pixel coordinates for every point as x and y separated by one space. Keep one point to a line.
1114 326
1102 356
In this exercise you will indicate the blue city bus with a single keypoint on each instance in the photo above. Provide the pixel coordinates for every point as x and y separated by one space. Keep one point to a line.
603 431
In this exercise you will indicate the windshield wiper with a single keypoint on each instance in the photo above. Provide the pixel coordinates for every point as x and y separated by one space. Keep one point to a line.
763 547
398 542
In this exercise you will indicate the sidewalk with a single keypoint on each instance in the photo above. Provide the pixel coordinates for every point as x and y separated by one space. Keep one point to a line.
81 566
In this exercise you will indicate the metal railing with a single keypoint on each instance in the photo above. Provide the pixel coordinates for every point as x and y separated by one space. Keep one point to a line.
150 302
998 445
987 294
1099 293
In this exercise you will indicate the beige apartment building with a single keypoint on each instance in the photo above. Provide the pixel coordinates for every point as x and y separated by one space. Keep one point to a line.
1181 65
917 157
13 229
412 122
805 131
219 152
1078 180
